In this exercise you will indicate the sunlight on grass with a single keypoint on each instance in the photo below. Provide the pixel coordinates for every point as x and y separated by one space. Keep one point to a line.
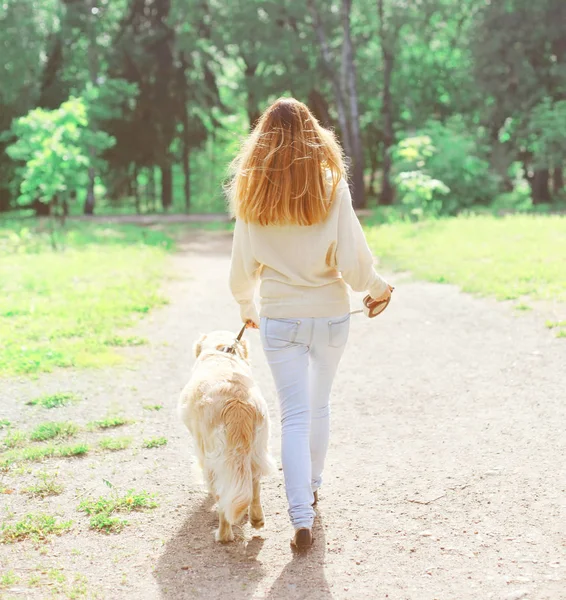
154 442
35 526
102 509
55 400
15 439
51 430
116 443
62 309
40 452
109 422
508 258
8 578
46 486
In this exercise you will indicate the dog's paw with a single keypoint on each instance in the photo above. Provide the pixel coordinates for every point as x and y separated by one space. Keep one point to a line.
257 520
224 536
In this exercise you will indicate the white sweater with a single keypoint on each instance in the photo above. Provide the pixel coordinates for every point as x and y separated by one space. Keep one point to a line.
303 270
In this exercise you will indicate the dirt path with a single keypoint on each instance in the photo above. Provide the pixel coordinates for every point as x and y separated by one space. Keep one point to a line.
445 476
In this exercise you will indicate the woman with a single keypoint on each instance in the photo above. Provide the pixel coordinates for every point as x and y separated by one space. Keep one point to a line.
296 231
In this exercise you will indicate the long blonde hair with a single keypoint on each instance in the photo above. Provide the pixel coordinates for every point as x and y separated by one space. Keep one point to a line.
279 177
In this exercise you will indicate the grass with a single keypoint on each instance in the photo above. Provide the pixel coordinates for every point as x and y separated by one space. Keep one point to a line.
8 578
102 509
35 526
55 400
509 258
37 453
46 486
154 442
15 439
62 309
116 443
4 423
109 422
121 341
51 430
152 406
553 324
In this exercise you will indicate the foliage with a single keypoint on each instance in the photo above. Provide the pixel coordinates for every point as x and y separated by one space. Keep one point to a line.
176 85
420 193
445 169
56 147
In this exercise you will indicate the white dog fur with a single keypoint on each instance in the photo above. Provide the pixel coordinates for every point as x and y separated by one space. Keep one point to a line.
228 418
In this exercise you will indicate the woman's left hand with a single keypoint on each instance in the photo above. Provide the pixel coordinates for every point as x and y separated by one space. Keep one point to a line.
251 325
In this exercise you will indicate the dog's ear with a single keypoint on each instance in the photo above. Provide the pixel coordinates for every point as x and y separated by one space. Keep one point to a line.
245 349
197 348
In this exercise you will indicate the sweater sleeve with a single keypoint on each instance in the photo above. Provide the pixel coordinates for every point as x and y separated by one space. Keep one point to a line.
353 257
243 272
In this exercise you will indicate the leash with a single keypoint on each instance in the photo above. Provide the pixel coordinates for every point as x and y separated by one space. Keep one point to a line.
232 349
371 309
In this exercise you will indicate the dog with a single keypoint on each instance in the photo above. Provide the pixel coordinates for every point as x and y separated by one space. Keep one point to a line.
228 418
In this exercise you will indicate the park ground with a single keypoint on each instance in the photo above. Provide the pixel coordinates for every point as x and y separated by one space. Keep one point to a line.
445 475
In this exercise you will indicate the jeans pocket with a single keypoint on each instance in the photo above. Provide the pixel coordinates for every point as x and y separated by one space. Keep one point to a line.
280 333
338 330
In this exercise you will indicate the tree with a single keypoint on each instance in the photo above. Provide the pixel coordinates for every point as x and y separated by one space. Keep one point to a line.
56 149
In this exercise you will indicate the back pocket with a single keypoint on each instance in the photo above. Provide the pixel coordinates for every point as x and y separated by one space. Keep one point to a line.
338 330
281 333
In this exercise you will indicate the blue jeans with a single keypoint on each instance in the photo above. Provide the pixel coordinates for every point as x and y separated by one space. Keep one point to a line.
303 355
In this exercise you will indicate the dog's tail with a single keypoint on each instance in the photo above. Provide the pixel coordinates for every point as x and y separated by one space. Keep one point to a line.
234 478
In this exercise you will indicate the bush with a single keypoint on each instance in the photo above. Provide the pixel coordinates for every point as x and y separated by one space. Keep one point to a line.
442 157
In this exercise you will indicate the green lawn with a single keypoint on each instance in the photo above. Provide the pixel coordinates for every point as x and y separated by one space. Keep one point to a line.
512 257
65 308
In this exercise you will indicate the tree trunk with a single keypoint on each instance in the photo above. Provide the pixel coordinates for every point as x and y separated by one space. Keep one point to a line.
387 191
93 74
186 138
152 191
332 75
557 180
359 195
187 175
539 187
252 109
319 108
373 164
49 94
166 186
136 190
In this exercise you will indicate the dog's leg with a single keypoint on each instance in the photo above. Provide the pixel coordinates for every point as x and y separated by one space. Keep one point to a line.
257 519
224 532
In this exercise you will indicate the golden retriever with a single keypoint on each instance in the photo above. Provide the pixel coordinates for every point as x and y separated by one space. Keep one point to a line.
228 419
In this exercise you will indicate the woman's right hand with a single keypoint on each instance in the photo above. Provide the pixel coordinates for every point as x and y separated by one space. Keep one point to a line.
386 294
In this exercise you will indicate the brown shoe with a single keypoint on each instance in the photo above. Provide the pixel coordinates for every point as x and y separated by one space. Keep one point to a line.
315 498
302 540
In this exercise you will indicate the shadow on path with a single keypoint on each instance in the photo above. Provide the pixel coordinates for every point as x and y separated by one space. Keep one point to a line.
224 571
303 577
